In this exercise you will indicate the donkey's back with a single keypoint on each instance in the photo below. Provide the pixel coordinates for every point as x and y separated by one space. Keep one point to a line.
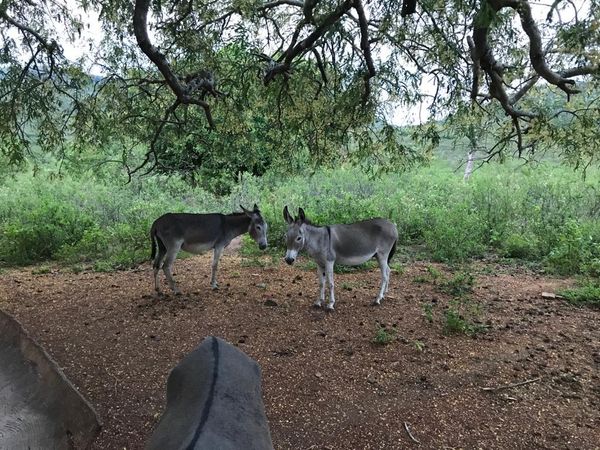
370 229
358 242
192 229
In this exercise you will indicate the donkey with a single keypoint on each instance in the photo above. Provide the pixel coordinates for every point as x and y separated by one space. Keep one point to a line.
197 233
350 245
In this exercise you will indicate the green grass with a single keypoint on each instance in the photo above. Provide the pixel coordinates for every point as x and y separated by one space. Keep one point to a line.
586 294
41 270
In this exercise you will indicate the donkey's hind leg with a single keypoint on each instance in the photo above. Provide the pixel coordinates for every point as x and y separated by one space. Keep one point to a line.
385 277
168 265
321 274
218 251
157 263
329 273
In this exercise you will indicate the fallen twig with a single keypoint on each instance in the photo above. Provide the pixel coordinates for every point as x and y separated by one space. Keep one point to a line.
507 386
410 434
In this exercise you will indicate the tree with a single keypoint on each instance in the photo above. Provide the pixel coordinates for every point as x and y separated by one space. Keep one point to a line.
247 83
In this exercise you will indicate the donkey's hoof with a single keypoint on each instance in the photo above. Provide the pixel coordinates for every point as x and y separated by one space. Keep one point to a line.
329 308
178 293
316 305
376 302
214 287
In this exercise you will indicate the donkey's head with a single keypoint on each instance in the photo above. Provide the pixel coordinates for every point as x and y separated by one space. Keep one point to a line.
258 227
295 237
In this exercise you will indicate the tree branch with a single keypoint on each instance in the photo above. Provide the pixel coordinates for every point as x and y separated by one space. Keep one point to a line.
296 49
49 46
277 3
524 89
140 19
536 52
583 70
152 152
364 45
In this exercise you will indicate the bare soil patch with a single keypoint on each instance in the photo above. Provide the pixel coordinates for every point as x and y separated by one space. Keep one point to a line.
326 384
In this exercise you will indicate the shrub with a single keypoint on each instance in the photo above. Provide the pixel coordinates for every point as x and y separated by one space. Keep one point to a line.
548 214
577 249
519 246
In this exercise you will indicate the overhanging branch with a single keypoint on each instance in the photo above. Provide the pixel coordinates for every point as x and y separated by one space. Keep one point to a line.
296 49
140 27
365 47
536 51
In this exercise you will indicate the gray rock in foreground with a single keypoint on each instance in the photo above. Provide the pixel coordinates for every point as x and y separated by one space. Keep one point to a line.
39 407
214 402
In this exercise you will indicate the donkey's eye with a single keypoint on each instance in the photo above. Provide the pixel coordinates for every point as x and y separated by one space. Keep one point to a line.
258 227
299 238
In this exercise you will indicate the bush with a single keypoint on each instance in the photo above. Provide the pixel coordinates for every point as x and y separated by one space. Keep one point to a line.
577 249
74 221
548 214
519 246
454 234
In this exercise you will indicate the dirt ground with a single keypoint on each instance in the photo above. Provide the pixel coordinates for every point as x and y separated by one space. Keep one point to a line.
326 383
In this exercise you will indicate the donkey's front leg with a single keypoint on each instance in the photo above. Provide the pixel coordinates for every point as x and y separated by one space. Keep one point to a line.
321 275
385 279
218 251
329 272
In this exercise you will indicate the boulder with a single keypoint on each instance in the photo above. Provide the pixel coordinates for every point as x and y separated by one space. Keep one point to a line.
39 407
214 401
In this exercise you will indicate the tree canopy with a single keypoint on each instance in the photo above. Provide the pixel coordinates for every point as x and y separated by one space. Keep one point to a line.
207 87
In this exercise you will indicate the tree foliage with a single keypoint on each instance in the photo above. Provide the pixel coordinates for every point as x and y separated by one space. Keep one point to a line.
221 87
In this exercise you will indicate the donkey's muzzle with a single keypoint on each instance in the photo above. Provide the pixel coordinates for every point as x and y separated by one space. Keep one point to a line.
289 260
262 246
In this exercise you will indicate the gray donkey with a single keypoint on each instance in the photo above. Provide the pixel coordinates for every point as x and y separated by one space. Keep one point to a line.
350 245
197 233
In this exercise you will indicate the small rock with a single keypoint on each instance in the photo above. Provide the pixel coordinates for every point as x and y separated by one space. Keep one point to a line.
270 302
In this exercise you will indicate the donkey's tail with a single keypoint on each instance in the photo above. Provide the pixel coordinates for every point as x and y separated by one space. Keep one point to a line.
156 242
392 251
153 242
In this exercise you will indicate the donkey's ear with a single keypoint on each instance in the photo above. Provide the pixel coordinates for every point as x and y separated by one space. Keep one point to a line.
256 210
286 215
301 215
248 213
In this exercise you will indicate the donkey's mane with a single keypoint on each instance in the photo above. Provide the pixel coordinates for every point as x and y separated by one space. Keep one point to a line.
241 213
